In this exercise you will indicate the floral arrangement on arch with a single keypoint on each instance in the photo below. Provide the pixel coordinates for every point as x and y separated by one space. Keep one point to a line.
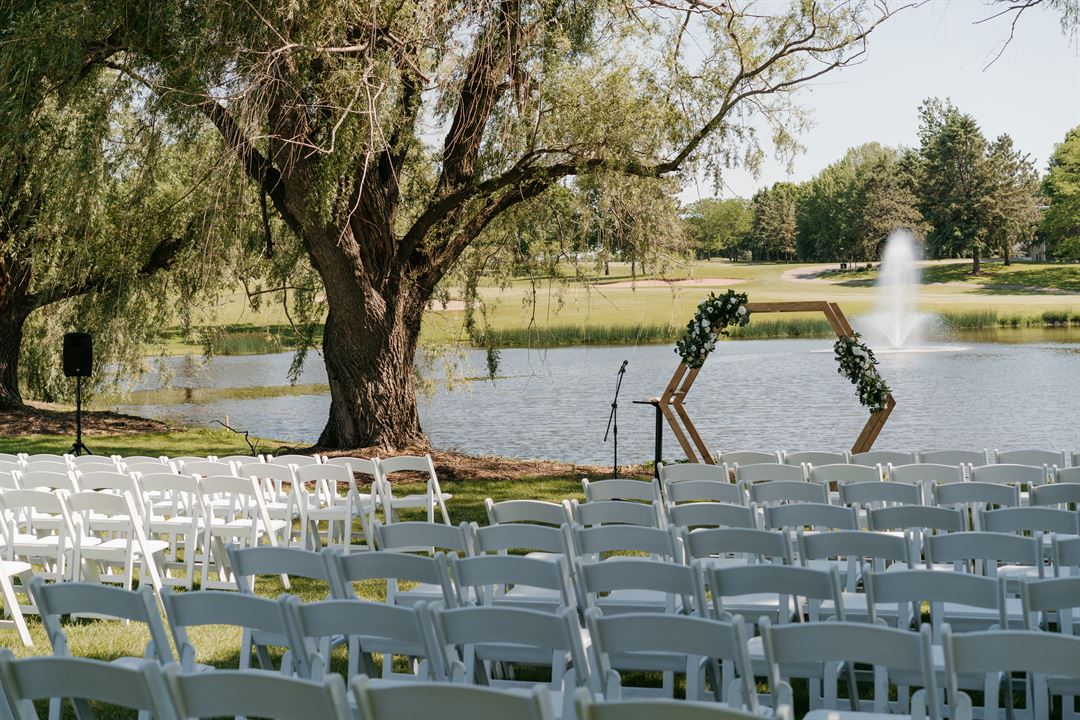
714 316
858 364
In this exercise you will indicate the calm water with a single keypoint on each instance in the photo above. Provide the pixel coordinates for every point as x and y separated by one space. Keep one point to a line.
750 394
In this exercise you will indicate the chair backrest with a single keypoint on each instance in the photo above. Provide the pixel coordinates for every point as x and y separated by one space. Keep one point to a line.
622 637
278 474
757 544
109 480
675 581
683 472
556 632
954 457
58 467
880 494
1030 519
788 491
711 514
616 512
621 489
269 560
905 517
129 459
596 541
783 580
637 709
327 479
993 652
373 625
705 490
208 468
517 536
140 687
43 457
883 457
821 645
54 600
1059 596
965 549
1050 458
925 472
298 460
1060 493
844 473
975 493
211 607
232 693
765 472
817 457
388 566
879 549
63 480
9 479
149 468
241 459
813 515
742 458
454 702
1066 555
421 537
1028 475
1069 474
480 580
92 463
908 589
526 511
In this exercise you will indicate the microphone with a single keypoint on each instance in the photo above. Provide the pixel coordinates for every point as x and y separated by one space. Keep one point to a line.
624 364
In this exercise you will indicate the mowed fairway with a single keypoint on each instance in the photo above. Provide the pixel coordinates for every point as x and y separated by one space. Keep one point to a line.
669 298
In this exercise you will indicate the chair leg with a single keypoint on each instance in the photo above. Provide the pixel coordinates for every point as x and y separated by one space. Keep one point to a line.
11 602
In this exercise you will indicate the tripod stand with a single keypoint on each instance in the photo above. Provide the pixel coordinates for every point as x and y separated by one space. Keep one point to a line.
613 420
78 448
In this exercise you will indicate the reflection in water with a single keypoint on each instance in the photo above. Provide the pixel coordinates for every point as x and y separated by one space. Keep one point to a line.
750 394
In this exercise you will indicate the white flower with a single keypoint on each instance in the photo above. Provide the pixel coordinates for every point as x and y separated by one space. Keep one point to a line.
705 323
742 311
858 351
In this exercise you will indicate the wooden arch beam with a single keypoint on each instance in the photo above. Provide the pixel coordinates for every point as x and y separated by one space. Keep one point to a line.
671 402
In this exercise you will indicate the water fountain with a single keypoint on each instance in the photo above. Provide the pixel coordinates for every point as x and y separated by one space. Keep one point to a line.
896 324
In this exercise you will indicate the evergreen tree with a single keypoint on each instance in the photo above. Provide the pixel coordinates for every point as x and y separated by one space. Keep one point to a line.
1060 225
1014 212
773 230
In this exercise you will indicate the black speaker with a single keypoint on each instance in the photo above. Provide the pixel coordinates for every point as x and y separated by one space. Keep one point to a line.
78 354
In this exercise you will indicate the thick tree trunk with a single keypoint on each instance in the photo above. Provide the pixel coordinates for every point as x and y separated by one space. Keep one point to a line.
14 286
975 266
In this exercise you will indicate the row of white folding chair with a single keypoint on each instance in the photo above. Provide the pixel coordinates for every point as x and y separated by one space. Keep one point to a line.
1060 458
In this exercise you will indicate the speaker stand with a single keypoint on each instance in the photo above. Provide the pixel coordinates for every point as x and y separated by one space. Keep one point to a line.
78 448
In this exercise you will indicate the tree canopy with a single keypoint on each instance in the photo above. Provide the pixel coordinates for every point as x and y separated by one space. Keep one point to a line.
1060 225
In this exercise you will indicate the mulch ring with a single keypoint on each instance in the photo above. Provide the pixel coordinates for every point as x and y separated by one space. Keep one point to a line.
45 419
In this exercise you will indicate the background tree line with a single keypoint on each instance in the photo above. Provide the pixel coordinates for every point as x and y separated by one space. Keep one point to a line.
964 195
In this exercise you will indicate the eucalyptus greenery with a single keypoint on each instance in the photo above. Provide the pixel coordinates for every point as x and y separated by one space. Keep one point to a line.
714 316
858 364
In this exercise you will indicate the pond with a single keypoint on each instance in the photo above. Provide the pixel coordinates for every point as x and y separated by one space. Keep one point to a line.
750 394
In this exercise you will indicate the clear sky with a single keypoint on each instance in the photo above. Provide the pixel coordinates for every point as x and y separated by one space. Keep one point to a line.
1032 92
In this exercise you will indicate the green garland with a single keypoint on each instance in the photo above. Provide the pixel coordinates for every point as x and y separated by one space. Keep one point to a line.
714 315
858 364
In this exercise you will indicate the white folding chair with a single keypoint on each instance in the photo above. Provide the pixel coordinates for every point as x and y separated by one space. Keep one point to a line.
1069 474
38 531
1065 554
178 516
1010 557
883 458
327 504
512 581
616 512
1062 493
702 648
297 460
788 587
855 549
471 639
538 541
239 515
711 515
424 573
763 472
247 612
925 472
1049 458
866 496
981 599
995 655
638 585
587 709
921 520
235 693
278 485
971 498
817 457
10 569
701 472
621 489
957 458
774 492
832 476
526 511
454 702
46 678
430 500
369 627
733 547
422 537
240 460
594 543
1024 477
741 458
125 544
685 491
827 651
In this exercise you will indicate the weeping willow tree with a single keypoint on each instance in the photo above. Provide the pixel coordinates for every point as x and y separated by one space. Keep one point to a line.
388 136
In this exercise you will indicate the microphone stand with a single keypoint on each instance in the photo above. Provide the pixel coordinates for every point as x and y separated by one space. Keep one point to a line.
613 419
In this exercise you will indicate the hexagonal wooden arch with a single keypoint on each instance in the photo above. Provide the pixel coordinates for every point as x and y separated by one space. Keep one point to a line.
671 402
